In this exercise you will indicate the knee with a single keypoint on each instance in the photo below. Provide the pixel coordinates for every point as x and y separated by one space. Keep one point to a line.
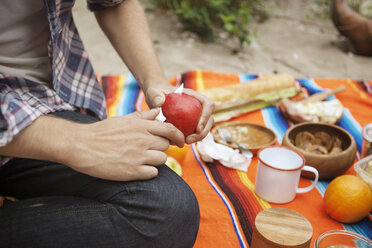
180 211
162 211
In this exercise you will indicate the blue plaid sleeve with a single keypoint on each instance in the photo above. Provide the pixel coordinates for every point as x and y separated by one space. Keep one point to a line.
75 84
23 101
97 5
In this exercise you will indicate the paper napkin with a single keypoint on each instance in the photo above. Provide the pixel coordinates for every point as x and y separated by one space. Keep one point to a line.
228 157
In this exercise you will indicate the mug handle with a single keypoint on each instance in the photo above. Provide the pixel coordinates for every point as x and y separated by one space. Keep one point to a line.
313 170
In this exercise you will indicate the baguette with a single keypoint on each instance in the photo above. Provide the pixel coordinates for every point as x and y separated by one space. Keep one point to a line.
244 93
260 101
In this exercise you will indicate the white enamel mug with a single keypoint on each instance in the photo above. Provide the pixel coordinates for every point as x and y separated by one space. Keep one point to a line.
278 173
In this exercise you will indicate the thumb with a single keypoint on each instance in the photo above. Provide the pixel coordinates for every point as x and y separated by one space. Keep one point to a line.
147 114
155 97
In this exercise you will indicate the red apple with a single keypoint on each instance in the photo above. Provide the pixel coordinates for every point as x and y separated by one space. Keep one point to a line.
183 111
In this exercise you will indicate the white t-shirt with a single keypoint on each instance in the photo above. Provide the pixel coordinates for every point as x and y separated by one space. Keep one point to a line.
24 37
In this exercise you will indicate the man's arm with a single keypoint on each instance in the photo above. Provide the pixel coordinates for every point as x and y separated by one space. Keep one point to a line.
126 27
47 138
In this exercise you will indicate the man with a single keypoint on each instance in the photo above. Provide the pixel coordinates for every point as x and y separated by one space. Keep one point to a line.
83 180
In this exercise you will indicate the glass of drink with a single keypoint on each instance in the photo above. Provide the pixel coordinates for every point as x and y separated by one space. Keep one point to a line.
342 239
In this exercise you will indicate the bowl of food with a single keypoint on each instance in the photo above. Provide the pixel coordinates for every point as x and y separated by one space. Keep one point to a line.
314 108
328 148
248 135
363 169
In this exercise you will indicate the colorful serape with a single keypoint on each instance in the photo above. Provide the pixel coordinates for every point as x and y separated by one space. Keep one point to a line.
227 200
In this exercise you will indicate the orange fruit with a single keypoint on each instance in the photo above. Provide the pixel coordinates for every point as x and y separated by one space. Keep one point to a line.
177 153
347 199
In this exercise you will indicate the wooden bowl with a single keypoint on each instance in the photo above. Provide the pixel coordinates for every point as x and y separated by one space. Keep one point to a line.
329 166
250 136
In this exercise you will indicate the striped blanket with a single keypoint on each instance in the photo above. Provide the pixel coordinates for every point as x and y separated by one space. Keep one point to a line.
228 203
227 200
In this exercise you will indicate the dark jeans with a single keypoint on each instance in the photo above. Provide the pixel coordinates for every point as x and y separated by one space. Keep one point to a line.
59 207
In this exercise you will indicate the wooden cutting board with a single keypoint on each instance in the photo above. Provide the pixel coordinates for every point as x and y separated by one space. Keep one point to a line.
281 227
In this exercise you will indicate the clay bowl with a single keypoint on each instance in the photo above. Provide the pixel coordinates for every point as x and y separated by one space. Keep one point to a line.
329 166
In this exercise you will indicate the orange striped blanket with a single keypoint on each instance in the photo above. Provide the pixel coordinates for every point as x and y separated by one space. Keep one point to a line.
227 200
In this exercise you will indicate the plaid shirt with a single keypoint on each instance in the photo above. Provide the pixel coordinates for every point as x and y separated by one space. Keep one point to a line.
74 81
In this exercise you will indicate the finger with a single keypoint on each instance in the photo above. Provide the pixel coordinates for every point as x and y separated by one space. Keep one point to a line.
199 136
172 143
155 96
146 114
154 158
207 109
135 172
168 131
145 172
206 115
159 144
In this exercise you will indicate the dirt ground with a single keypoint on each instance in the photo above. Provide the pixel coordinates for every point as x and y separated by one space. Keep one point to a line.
289 41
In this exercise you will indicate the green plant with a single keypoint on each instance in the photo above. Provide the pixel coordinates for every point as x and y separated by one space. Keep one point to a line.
207 17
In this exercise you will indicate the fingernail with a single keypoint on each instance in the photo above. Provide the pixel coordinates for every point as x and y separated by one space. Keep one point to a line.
157 100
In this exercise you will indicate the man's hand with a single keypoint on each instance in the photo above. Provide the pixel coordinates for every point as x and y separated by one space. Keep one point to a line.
120 148
124 148
155 97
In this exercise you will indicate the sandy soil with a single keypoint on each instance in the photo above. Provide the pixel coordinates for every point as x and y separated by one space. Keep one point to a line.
289 41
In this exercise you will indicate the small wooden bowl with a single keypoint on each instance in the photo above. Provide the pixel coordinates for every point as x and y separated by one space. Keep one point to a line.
253 138
329 166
